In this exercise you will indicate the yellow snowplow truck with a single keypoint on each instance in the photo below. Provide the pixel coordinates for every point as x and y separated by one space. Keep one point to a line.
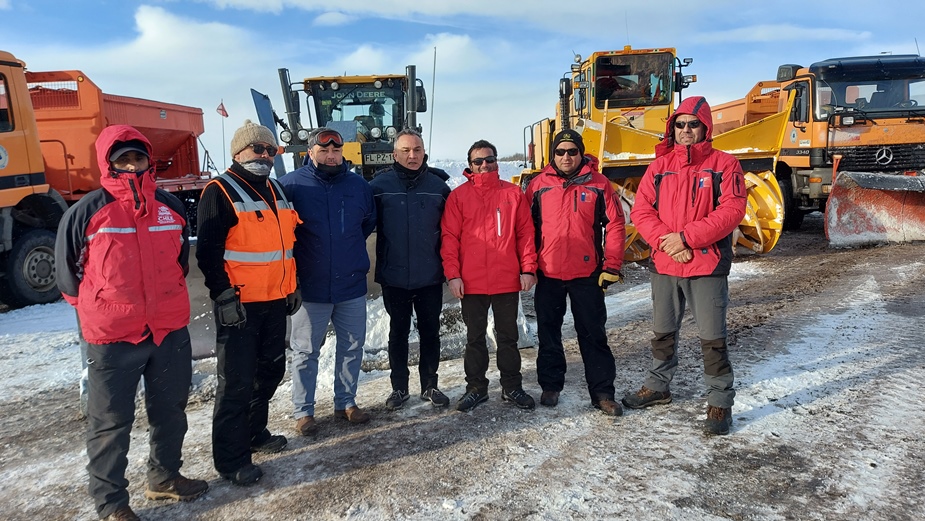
853 145
368 111
620 101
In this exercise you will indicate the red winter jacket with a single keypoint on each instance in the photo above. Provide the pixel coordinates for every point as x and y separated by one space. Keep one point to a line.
122 254
580 226
695 190
487 235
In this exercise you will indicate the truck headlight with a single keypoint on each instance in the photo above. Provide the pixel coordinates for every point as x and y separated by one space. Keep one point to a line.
376 132
285 136
303 134
390 132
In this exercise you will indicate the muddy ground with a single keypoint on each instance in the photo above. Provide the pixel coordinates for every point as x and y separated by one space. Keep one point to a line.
828 423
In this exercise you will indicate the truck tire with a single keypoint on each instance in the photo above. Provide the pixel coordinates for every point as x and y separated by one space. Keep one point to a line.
30 271
793 217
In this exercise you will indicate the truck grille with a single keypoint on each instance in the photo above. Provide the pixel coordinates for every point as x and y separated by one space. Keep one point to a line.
880 158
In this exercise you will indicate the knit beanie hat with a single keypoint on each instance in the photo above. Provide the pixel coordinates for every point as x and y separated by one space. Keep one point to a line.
570 136
249 134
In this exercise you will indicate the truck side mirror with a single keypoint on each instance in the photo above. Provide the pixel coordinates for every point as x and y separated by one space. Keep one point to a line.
421 98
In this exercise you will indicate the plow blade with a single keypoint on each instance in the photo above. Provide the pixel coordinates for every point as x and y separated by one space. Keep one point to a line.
764 213
866 208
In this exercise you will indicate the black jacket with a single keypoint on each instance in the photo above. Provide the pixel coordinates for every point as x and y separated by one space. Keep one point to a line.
409 206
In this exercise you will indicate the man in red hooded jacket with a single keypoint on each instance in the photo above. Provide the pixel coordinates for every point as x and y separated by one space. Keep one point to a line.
580 237
122 255
689 202
488 258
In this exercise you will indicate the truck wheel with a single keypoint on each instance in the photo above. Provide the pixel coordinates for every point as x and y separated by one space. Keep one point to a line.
793 217
30 271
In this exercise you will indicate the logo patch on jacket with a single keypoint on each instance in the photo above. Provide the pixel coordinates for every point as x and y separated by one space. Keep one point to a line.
584 197
705 182
164 215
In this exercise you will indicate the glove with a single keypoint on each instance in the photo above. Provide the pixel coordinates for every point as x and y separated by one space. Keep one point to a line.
229 310
293 302
608 277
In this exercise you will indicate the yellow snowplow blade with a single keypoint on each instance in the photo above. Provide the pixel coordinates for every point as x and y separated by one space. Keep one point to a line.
764 214
867 208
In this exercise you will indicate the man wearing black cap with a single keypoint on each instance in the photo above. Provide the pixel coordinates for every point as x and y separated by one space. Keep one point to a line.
245 242
579 240
122 256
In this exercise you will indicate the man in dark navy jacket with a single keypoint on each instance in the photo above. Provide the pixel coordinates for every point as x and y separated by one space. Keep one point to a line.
410 197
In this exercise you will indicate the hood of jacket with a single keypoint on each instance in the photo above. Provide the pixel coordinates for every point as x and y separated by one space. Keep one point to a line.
135 187
483 180
694 106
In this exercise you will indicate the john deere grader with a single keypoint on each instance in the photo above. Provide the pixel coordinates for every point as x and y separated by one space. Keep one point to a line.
620 101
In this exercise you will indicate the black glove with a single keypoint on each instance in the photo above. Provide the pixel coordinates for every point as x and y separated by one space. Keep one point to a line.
608 277
293 302
229 310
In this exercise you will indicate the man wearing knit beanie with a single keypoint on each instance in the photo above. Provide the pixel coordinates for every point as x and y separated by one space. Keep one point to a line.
245 242
580 236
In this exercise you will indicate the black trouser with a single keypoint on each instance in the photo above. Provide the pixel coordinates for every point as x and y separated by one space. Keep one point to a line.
590 315
475 315
114 371
251 364
427 303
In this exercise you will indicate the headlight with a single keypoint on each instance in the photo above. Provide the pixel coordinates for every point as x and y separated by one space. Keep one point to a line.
847 120
285 136
377 84
376 132
391 132
303 134
335 85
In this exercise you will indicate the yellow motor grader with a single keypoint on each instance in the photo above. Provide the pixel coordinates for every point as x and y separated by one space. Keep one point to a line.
620 101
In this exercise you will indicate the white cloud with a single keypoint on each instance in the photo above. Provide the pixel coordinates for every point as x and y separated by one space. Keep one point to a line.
333 19
780 33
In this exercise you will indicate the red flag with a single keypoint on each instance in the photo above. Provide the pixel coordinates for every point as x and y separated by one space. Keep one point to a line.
221 109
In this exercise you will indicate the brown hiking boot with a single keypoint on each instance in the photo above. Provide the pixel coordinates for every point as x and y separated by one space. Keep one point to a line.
179 488
122 514
307 426
352 414
719 420
609 407
646 397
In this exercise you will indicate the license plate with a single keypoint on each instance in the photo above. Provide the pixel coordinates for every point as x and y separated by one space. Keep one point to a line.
378 159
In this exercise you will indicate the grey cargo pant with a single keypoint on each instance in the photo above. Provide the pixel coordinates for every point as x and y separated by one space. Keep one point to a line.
708 298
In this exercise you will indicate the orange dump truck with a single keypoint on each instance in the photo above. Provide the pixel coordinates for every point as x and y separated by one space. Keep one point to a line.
49 122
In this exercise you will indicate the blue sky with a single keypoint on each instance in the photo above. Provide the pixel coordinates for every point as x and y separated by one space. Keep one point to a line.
497 63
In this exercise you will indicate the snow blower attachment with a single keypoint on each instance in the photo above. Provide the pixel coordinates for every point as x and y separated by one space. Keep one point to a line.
869 208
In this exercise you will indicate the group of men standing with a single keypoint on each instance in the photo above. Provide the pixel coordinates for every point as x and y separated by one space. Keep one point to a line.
296 247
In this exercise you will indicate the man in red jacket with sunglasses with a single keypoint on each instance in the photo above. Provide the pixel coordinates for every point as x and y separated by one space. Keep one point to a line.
489 257
689 202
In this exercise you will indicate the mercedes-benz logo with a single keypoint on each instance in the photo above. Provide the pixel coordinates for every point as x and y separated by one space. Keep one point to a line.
884 156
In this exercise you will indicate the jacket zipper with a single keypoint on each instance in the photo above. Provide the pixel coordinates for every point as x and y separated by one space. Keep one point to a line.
131 184
498 215
575 202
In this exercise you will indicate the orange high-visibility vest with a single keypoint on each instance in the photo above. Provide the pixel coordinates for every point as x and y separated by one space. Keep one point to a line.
258 250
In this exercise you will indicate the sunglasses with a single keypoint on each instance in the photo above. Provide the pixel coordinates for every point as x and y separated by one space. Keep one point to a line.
328 137
479 160
693 124
563 151
260 149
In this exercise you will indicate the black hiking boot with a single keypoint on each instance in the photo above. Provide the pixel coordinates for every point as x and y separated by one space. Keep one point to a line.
434 396
396 400
520 398
470 401
272 445
179 488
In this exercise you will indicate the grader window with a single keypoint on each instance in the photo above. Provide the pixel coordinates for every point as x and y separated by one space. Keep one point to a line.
635 80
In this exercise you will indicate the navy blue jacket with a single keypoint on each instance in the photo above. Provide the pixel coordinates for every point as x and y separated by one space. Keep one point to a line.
409 207
338 214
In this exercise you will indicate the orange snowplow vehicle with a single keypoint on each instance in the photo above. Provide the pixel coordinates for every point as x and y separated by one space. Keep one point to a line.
853 145
49 122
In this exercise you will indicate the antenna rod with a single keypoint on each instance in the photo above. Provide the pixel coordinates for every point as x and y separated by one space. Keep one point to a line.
433 97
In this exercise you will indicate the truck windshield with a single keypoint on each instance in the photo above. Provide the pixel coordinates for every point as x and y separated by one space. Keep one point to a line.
633 80
870 94
361 103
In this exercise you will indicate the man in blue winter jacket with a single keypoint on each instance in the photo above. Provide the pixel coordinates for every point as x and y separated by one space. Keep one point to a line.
338 213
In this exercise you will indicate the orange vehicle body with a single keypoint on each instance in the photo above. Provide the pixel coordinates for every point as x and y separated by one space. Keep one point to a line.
49 122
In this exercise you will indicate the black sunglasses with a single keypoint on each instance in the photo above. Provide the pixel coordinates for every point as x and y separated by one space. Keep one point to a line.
260 149
694 124
570 151
479 160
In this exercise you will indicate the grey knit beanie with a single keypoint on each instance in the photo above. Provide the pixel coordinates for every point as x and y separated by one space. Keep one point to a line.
249 134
